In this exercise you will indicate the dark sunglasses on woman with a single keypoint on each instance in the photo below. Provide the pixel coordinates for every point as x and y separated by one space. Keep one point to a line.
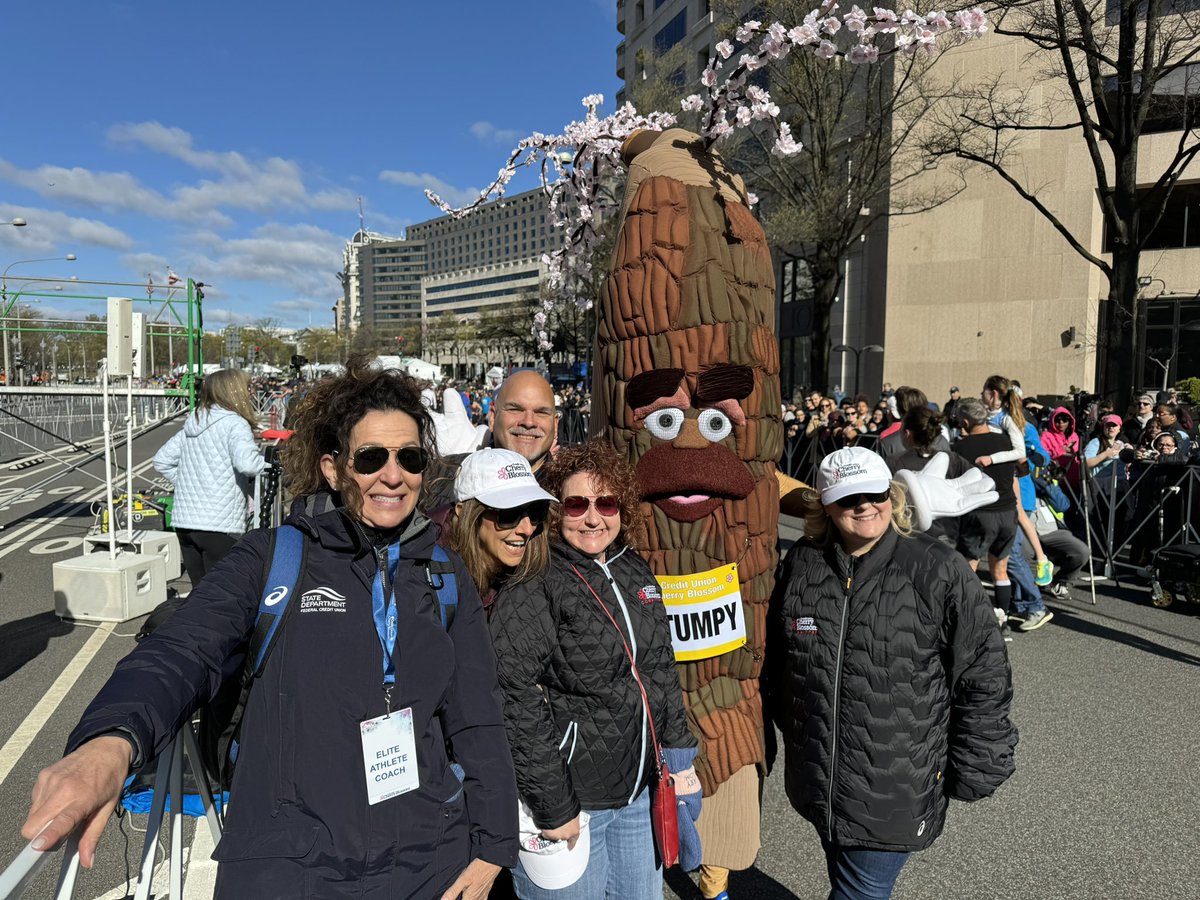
606 505
369 460
856 499
535 512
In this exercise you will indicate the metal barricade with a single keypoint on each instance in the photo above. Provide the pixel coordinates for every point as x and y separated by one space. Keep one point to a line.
168 781
1157 508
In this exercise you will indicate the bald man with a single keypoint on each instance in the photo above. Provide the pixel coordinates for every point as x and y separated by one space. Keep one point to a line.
522 417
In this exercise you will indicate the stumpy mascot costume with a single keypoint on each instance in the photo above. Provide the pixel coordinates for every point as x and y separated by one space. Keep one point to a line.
687 386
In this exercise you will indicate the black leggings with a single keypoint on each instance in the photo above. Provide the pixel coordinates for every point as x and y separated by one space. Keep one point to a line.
201 550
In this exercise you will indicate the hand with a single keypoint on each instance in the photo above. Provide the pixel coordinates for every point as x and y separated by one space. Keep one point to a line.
568 833
984 461
686 781
81 789
453 428
474 883
932 496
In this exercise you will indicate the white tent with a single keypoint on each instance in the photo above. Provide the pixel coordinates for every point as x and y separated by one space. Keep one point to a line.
417 368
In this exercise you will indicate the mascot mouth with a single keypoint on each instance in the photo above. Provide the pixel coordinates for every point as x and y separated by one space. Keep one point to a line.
688 484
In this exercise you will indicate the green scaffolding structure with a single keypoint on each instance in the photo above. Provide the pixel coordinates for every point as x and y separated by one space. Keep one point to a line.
182 306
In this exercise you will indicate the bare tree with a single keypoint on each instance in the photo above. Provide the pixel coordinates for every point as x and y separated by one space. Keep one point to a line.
1110 72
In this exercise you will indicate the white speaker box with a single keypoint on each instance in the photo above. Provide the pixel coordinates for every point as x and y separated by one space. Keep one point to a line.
149 543
94 588
120 336
140 360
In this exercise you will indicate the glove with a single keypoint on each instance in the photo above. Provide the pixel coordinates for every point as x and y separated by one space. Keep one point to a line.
687 804
932 496
453 428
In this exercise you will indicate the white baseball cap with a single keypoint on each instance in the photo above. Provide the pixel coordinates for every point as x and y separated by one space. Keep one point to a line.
852 470
501 479
549 864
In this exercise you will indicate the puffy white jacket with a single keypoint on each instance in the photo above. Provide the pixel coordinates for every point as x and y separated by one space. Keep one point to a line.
211 461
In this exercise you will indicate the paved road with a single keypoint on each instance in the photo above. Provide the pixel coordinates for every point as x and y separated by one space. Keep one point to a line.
1103 805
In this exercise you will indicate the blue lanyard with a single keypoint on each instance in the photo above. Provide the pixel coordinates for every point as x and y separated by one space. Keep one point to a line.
384 612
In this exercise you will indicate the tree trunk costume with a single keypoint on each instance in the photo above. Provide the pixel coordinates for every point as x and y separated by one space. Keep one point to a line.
687 386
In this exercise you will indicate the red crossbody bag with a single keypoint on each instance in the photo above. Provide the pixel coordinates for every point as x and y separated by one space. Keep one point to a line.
663 812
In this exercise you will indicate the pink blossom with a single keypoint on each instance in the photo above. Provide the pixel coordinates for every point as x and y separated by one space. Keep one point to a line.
724 49
826 50
743 116
694 103
885 20
831 25
938 21
855 20
751 198
804 34
709 77
747 30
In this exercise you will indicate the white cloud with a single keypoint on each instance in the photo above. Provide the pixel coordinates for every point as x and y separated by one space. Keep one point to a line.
486 131
303 258
261 186
302 306
448 192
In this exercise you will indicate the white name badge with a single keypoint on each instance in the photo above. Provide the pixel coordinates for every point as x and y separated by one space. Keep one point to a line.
389 756
705 612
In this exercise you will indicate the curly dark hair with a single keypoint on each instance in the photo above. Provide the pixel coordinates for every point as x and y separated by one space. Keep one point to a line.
324 418
601 460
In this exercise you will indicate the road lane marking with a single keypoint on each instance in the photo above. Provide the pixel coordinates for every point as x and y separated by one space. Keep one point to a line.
14 748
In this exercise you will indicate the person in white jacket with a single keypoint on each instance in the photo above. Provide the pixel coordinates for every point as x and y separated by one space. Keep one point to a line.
211 461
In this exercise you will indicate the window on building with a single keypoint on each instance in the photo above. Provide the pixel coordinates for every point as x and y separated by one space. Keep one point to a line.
671 33
1179 226
1175 103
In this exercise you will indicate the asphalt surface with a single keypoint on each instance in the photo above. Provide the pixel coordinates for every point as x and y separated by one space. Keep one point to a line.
1103 804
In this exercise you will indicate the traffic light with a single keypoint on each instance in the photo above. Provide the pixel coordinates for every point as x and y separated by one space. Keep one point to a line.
298 361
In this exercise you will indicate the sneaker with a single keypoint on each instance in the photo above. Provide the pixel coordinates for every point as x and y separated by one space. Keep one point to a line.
1045 572
1001 616
1036 620
1060 591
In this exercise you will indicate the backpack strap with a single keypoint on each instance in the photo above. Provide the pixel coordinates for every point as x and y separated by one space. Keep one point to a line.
440 574
288 551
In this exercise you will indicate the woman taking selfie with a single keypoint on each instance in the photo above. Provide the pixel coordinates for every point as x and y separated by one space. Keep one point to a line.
368 674
886 675
590 686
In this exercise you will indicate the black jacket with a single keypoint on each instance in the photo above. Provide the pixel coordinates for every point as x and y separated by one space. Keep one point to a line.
574 714
890 683
299 823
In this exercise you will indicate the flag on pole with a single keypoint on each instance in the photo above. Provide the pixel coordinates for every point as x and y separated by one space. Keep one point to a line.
172 278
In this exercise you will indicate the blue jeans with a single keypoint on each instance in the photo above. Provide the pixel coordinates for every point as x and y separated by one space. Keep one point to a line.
622 862
856 873
1027 596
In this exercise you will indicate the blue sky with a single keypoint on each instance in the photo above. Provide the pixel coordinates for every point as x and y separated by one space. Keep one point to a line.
229 141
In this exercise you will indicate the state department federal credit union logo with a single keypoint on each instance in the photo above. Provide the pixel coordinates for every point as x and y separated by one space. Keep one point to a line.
322 600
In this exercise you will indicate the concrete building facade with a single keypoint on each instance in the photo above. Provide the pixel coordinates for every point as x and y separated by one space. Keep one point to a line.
981 284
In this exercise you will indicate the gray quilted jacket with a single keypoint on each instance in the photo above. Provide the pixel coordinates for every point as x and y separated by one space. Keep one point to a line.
889 681
211 461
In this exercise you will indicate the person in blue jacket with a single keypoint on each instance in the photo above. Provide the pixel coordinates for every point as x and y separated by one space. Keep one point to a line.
363 679
211 460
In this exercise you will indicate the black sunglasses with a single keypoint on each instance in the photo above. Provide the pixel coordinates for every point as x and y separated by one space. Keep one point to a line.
369 460
535 511
575 506
854 500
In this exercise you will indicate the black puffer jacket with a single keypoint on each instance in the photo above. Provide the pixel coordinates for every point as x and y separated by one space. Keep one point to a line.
573 711
890 682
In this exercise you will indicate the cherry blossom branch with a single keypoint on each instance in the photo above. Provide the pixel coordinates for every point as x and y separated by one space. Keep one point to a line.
588 150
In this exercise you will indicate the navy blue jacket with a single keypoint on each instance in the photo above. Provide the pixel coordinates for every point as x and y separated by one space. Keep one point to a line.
299 823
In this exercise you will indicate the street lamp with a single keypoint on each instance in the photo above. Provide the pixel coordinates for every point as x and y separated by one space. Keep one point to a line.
17 223
858 352
70 257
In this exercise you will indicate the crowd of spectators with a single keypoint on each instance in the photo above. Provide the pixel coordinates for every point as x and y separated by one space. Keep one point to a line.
1042 453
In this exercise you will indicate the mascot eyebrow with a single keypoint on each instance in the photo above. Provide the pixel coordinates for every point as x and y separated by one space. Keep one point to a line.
720 386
